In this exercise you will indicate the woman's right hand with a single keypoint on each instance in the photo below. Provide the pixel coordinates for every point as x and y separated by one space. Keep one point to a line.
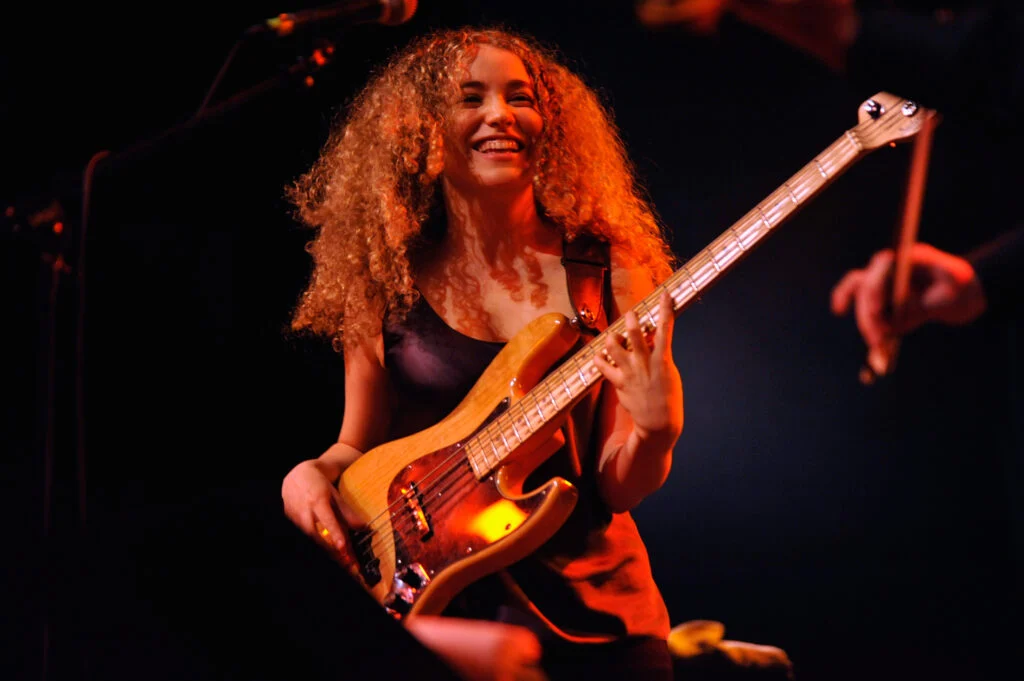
312 502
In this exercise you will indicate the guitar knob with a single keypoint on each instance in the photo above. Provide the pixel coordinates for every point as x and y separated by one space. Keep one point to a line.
410 578
397 606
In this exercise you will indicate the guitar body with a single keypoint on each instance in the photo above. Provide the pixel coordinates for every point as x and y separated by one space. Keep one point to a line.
433 527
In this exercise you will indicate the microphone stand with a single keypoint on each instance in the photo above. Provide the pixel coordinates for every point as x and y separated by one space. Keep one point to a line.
52 221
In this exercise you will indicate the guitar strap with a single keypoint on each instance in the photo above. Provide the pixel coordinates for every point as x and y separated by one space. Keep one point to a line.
587 266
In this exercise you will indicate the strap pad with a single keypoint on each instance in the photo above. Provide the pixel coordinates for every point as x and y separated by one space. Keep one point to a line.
587 263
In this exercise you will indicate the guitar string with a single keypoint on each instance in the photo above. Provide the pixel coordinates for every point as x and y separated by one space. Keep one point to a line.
405 522
379 522
387 541
712 260
620 327
653 315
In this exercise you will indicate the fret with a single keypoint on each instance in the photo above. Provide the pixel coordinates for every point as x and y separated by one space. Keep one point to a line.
792 194
709 270
568 390
551 396
579 369
713 261
827 168
501 432
648 312
782 209
800 185
569 376
739 240
515 430
518 424
764 219
522 410
473 462
481 457
728 248
834 155
490 440
753 227
781 206
682 298
536 403
699 276
664 287
689 277
853 140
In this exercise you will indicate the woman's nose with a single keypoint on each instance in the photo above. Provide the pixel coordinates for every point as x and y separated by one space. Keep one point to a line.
499 113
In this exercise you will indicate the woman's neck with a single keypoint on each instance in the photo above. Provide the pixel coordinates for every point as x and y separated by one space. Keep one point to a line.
495 227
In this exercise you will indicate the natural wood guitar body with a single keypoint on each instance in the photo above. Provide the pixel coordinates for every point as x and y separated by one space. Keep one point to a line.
432 526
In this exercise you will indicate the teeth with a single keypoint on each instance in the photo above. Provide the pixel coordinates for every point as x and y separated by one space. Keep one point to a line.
498 145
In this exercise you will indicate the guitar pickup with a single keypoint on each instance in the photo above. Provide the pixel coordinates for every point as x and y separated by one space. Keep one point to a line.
414 506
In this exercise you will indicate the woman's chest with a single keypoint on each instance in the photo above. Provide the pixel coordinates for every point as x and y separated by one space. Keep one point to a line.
495 303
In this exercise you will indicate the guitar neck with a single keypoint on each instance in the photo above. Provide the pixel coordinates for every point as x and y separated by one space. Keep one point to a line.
565 386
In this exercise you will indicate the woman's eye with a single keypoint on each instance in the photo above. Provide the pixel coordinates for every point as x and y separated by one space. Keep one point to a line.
470 98
522 98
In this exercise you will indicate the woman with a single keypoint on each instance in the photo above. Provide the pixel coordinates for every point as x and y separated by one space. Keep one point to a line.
442 205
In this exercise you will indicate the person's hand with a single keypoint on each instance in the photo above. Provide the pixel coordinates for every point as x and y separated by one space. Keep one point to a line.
645 378
312 502
943 288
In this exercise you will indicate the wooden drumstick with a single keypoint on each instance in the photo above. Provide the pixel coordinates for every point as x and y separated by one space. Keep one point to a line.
881 360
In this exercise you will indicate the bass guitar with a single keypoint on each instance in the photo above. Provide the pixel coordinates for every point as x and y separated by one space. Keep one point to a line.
446 506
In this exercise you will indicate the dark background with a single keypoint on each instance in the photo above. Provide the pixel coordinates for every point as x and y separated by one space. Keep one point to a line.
869 531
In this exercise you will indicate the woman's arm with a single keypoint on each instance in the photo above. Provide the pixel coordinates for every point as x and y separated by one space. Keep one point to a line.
308 491
367 410
640 413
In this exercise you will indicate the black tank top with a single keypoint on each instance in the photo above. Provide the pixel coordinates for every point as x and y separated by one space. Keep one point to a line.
592 580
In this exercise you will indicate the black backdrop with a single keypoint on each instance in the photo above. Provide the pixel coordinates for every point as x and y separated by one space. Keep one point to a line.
868 531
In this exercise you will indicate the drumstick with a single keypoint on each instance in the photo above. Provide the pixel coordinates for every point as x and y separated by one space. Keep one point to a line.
881 360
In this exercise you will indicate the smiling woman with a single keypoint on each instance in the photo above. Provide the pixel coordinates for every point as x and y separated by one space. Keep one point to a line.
451 207
496 127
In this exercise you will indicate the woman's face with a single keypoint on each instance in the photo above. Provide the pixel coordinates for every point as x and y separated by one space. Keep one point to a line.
495 125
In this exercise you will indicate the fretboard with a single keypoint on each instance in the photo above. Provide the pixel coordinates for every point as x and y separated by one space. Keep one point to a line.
566 385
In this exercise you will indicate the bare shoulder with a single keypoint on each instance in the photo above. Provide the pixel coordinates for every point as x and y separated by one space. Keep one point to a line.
367 399
365 356
631 282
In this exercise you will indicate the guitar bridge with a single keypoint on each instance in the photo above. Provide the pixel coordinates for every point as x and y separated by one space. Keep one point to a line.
369 564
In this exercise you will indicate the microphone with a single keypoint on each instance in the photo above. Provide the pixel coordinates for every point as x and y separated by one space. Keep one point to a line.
351 12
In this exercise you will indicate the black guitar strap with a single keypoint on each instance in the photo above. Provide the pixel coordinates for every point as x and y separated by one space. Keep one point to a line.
587 264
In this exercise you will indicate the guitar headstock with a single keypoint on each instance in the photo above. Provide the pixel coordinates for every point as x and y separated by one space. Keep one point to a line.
886 119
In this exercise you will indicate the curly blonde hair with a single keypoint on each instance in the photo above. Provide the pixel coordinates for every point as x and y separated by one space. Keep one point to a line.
375 183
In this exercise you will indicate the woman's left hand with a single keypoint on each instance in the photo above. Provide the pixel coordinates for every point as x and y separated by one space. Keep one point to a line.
645 378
